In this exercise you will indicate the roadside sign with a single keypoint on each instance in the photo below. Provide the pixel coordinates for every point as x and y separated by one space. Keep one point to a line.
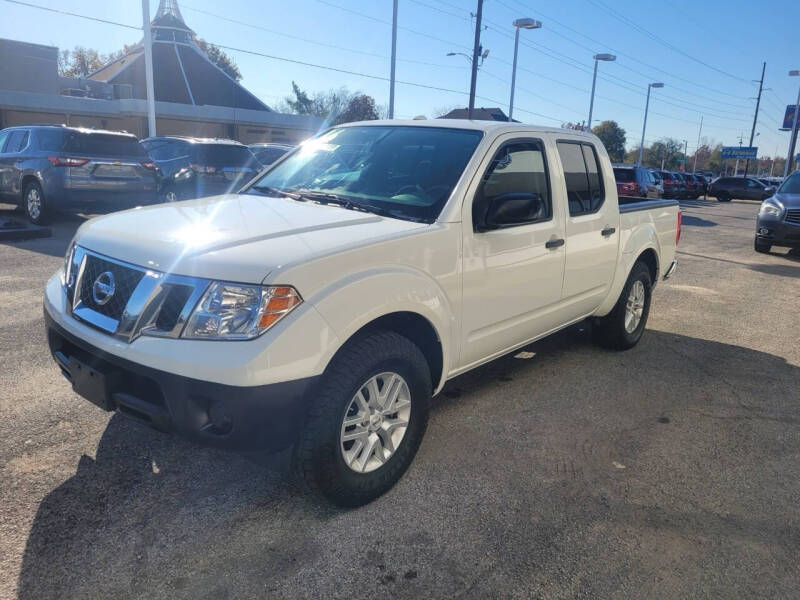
788 118
743 152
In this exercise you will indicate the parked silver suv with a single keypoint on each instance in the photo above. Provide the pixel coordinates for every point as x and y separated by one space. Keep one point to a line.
45 168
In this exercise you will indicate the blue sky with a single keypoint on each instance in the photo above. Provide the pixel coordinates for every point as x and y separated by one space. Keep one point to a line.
555 62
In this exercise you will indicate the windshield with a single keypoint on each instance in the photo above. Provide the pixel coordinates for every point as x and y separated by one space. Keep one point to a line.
791 185
402 171
624 175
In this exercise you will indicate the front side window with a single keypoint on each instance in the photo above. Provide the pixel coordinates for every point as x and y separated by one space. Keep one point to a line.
519 169
404 172
585 193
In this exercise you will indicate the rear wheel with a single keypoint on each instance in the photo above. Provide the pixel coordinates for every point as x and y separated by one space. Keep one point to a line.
34 205
623 327
367 420
762 247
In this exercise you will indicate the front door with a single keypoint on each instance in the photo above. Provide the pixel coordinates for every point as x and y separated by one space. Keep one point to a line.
512 276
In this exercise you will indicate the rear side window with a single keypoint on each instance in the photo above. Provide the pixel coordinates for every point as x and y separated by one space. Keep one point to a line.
267 156
103 144
223 155
17 141
517 168
50 140
585 193
166 150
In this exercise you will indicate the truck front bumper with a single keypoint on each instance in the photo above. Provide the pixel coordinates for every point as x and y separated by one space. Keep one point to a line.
246 419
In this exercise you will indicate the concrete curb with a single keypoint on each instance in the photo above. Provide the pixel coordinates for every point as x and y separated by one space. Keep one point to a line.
12 230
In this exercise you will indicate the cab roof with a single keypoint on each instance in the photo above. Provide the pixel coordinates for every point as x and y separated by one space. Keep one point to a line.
486 126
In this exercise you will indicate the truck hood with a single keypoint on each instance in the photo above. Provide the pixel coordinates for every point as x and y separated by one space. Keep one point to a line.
235 237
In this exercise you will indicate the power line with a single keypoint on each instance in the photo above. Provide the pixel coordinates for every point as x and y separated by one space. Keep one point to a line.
72 14
662 41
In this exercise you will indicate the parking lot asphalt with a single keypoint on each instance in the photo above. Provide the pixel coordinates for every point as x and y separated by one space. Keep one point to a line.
668 471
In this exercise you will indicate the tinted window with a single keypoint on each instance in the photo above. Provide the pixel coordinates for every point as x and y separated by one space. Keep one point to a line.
103 144
165 149
267 156
16 141
753 183
223 155
518 168
49 139
582 177
3 138
407 170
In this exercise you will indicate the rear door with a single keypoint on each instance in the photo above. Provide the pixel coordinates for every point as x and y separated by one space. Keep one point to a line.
591 226
511 276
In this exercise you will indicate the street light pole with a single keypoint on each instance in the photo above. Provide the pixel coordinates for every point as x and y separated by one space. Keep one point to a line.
755 119
476 54
518 24
597 58
699 133
394 60
148 69
646 108
686 156
793 138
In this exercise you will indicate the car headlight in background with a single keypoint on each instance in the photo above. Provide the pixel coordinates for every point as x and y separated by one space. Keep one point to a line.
771 209
233 311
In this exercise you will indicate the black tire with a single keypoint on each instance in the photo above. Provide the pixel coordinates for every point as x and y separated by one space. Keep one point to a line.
762 247
318 458
723 197
34 204
169 194
610 331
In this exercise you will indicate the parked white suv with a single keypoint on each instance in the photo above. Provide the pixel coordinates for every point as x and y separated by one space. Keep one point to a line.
318 310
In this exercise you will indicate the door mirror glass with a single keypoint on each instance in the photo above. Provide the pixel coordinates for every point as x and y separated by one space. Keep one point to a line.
514 208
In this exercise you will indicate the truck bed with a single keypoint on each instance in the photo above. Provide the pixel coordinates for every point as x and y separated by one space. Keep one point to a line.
633 203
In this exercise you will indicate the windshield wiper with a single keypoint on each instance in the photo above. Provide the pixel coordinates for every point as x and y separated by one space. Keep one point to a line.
345 202
277 192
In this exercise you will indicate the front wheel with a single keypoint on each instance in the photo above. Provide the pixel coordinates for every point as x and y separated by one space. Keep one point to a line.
367 419
623 327
762 247
723 197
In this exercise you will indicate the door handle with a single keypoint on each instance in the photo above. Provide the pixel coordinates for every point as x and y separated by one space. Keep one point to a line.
554 243
608 231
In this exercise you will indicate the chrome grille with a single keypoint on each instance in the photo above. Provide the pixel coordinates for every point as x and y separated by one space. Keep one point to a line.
125 281
143 302
792 216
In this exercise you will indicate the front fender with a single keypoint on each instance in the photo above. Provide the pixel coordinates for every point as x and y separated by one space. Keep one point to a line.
360 298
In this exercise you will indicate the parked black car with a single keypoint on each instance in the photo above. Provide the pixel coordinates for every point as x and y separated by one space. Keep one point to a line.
702 180
778 221
745 188
673 187
45 168
199 167
635 180
693 189
269 153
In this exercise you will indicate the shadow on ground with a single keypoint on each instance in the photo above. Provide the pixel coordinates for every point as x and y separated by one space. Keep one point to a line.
63 226
153 516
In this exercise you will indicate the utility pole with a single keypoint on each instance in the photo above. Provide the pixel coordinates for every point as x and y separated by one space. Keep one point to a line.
148 69
394 60
476 54
755 116
686 156
699 133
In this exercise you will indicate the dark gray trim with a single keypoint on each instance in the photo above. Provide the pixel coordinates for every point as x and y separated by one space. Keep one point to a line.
629 204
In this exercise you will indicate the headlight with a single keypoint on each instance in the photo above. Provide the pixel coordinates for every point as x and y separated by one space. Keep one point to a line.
770 209
232 311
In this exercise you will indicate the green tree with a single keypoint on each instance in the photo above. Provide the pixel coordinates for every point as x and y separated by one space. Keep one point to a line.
666 151
219 58
80 62
613 138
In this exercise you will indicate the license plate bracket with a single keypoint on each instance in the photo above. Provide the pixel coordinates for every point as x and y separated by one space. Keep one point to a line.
89 383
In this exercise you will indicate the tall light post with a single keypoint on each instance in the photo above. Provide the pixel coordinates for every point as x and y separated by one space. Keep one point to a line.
646 108
519 24
597 58
793 137
148 69
394 60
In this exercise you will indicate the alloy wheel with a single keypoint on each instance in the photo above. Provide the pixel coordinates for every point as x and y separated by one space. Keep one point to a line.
634 306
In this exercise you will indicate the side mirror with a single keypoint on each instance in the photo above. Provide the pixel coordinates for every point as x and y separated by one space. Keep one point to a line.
514 208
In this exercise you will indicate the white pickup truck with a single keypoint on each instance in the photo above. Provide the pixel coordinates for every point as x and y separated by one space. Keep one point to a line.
317 311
